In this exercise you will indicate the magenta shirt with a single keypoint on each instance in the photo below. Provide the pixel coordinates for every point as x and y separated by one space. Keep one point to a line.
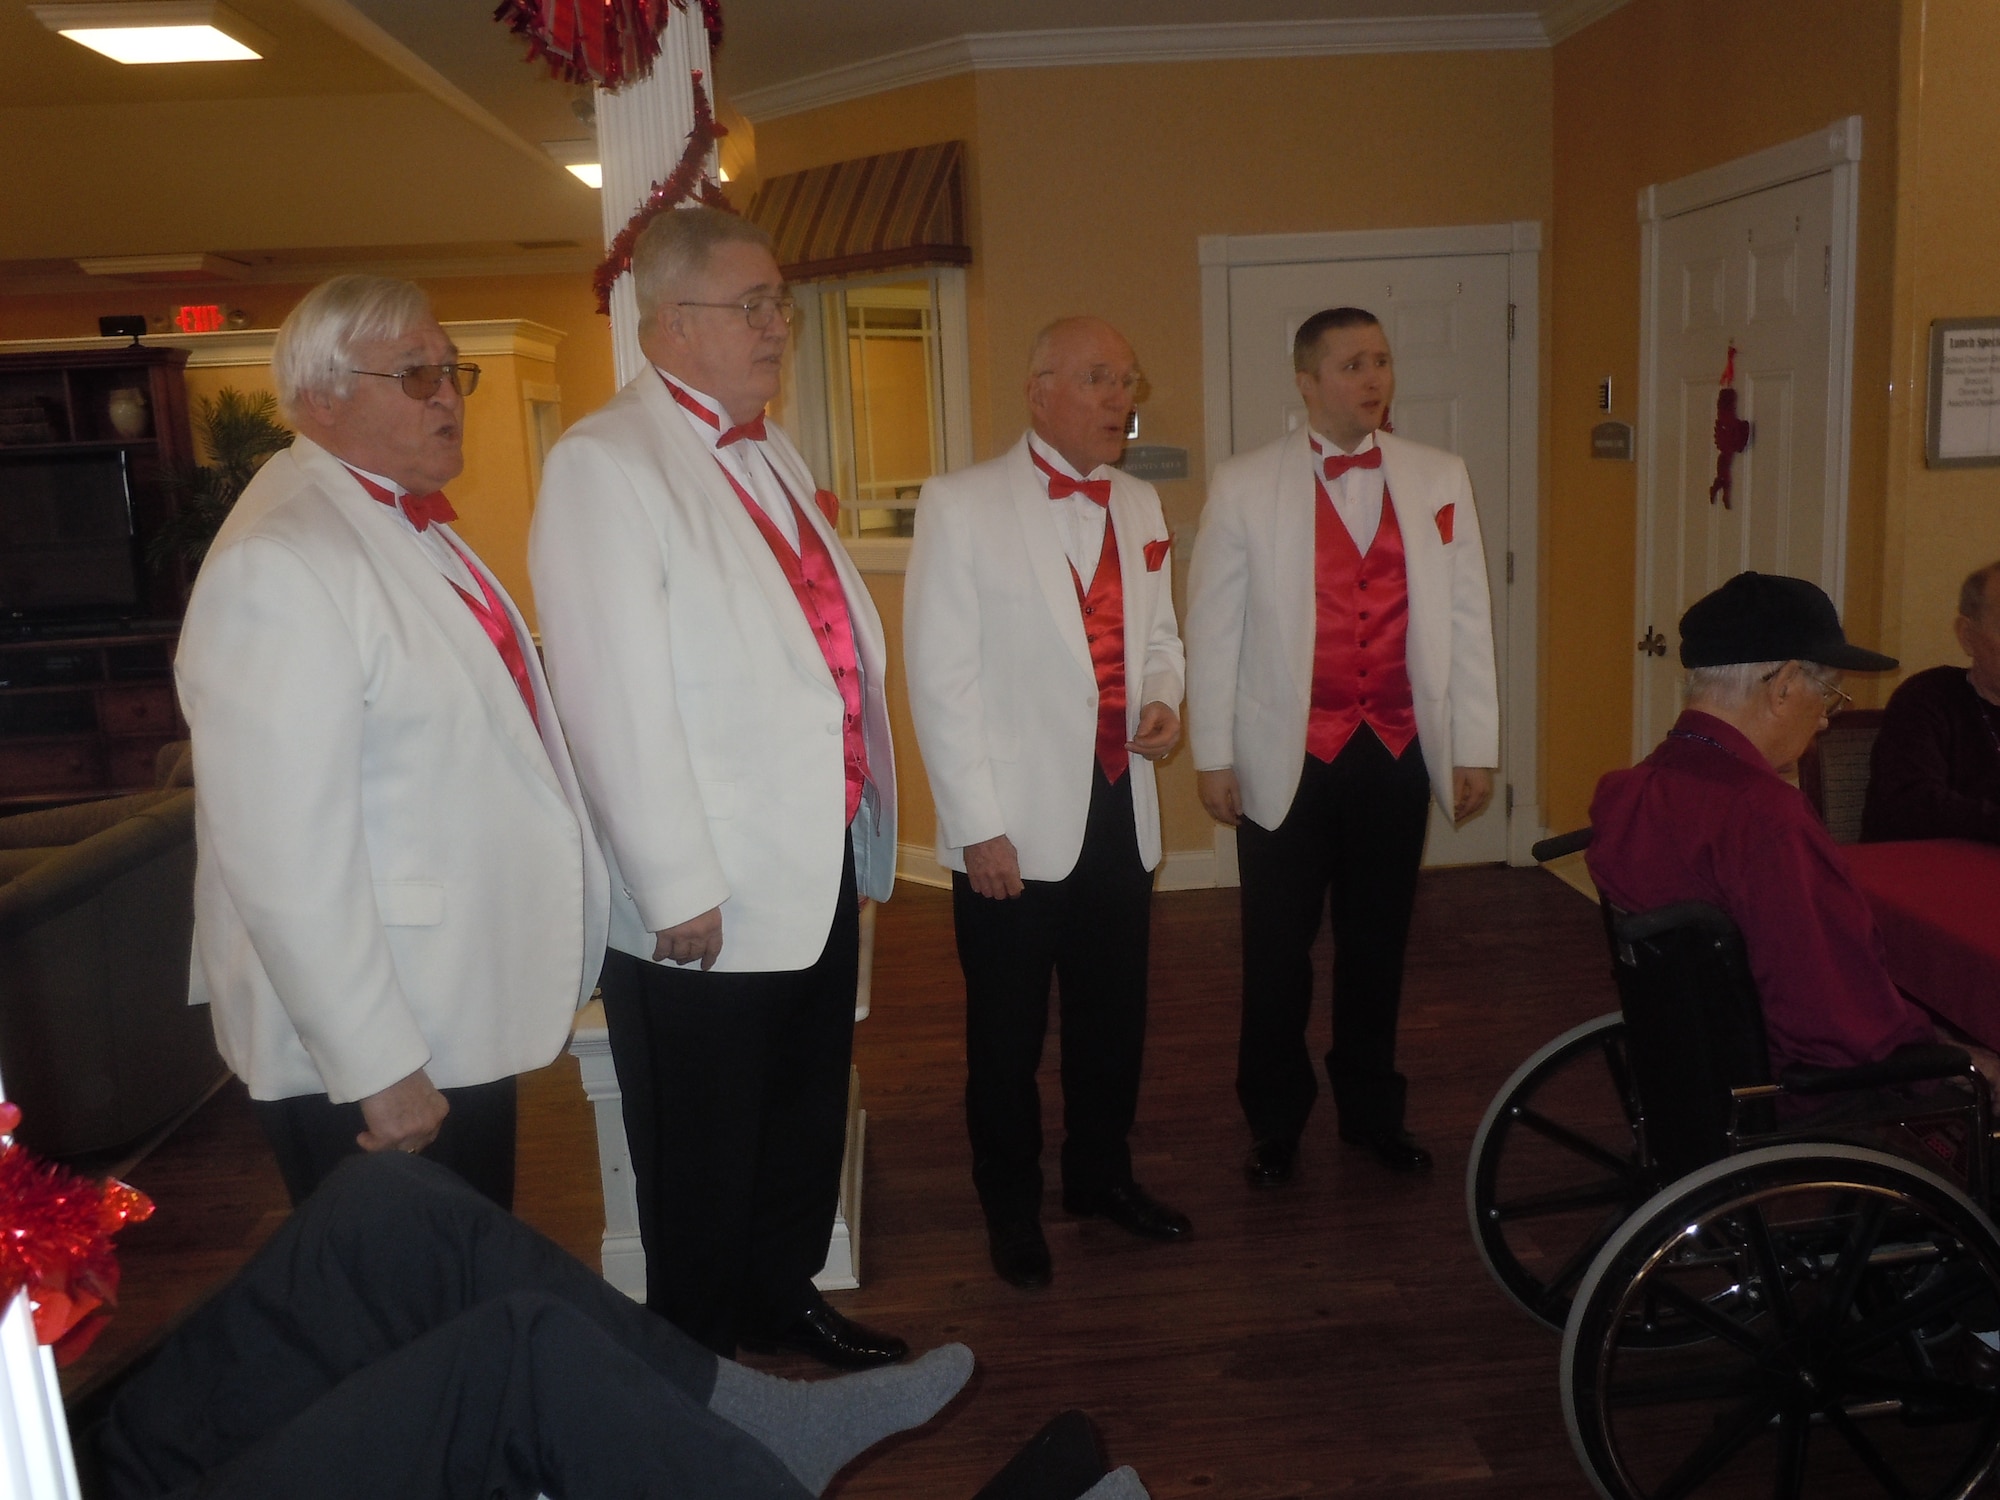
1704 818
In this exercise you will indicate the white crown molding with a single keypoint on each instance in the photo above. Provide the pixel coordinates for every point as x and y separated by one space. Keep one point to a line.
1565 18
1103 45
1821 151
250 348
580 261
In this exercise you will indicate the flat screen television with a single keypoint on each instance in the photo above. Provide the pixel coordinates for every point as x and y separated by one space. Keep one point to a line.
66 546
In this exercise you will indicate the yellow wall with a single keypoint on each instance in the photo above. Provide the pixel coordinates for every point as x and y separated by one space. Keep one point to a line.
1087 190
1656 90
1943 523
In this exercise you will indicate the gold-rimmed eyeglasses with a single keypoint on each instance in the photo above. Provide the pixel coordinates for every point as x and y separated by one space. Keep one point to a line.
757 311
1836 698
420 382
1103 377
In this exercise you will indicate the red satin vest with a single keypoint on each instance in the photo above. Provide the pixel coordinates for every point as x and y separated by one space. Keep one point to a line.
816 582
1362 625
1104 627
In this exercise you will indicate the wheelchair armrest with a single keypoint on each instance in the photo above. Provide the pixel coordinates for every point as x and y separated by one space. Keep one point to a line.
1916 1063
1557 845
1636 927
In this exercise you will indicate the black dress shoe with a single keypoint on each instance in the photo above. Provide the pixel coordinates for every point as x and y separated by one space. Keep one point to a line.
1020 1253
1398 1150
1269 1163
1133 1210
832 1340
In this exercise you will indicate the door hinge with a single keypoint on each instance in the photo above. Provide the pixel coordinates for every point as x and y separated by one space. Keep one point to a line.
1510 567
1510 322
1510 799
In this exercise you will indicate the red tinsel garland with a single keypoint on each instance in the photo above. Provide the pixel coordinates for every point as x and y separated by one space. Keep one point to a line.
689 179
606 42
55 1240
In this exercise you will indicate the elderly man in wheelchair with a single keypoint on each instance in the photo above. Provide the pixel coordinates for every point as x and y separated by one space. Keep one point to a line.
1755 1199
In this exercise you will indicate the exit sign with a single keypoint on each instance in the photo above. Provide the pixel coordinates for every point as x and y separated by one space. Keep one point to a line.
205 318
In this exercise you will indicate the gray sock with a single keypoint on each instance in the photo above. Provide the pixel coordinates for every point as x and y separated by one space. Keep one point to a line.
818 1426
1119 1484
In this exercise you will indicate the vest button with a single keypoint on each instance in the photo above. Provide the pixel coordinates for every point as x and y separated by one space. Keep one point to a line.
1363 583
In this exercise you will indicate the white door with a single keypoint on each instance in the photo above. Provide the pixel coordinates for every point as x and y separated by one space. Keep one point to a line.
1755 271
1446 318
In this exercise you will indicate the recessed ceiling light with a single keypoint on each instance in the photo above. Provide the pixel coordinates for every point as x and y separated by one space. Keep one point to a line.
580 156
590 173
157 31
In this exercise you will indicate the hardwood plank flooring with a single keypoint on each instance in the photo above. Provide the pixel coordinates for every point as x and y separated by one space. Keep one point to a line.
1334 1337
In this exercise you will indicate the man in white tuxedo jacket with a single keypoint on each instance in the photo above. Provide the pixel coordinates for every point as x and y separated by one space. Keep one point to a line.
1340 677
399 900
1045 679
720 669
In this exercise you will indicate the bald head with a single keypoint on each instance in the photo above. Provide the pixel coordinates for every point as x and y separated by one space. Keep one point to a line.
1083 380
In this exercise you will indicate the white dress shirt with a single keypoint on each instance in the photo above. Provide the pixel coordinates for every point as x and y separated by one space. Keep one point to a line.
430 541
1079 519
1357 494
746 461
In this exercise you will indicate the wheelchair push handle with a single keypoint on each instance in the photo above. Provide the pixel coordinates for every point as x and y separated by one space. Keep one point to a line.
1557 845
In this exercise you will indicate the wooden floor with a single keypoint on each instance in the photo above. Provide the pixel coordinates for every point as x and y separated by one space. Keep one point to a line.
1337 1336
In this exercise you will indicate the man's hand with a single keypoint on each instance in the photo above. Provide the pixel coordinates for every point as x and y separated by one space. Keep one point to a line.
697 940
1221 795
403 1117
1471 790
1159 732
993 868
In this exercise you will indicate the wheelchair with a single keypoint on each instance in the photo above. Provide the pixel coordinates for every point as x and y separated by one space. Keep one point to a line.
1765 1287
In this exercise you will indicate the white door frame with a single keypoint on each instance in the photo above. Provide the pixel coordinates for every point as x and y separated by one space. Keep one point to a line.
1836 150
1521 243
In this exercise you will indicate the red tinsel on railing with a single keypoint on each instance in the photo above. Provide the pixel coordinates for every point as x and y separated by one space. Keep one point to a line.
605 42
689 179
55 1240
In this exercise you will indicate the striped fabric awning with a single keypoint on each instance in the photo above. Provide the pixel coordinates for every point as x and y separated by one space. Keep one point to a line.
903 208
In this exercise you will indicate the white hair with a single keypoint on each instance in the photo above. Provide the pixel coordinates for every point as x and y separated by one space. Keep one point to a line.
1734 685
674 248
314 350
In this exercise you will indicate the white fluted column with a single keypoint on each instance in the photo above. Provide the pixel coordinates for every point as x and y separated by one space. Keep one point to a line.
641 131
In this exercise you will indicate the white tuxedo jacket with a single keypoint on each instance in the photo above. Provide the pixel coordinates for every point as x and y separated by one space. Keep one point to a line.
703 717
394 868
1001 683
1252 619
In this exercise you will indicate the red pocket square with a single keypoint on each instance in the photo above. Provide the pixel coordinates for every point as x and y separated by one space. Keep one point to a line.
829 506
1156 552
1443 519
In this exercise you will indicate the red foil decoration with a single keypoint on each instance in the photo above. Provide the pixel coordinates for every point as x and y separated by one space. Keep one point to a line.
688 180
55 1240
609 43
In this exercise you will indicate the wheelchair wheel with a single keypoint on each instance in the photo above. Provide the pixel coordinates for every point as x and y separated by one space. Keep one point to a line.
1841 1291
1555 1167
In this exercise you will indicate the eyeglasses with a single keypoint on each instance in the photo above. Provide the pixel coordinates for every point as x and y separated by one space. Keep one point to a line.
757 311
420 382
1834 699
1102 377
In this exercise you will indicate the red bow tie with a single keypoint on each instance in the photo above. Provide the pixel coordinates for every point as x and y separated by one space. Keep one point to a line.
421 509
752 429
1061 486
1338 464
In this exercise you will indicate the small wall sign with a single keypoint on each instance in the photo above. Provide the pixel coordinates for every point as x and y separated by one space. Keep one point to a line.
1154 461
1612 440
1964 427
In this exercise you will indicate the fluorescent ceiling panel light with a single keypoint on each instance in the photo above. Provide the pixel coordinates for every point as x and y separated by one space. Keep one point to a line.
590 173
580 157
164 269
157 31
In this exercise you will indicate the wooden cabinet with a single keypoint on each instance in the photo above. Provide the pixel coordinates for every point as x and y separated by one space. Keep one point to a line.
67 408
84 717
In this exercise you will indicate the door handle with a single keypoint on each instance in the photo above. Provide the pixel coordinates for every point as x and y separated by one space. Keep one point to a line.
1653 643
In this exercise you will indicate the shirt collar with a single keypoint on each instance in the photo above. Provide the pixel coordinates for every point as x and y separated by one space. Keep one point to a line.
1328 445
1062 465
386 483
708 403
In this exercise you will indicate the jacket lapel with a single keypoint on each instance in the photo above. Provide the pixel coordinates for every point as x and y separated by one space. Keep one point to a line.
1045 552
685 454
1294 560
1423 563
385 540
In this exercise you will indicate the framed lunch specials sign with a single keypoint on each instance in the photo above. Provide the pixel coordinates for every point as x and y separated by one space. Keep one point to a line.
1964 393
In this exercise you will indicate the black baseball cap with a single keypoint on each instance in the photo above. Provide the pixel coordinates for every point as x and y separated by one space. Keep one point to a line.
1768 617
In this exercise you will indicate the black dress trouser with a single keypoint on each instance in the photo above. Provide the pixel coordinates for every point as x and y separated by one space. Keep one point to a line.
1352 840
1091 930
311 1135
400 1337
734 1091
